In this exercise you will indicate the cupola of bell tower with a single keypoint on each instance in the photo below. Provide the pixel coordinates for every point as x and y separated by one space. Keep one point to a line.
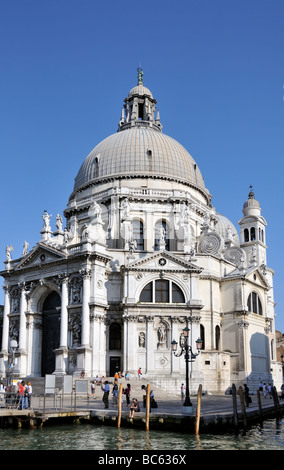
139 108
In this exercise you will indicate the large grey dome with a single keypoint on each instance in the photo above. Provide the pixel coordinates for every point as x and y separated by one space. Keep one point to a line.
139 152
139 149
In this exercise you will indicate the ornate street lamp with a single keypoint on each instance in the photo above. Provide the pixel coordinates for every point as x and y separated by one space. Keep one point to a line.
189 356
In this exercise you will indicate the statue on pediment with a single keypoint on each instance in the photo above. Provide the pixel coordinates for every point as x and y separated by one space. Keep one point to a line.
46 218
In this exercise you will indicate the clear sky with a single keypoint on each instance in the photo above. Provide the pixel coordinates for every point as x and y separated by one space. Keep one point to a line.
215 67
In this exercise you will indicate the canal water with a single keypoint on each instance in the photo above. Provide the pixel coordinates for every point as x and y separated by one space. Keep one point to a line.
269 436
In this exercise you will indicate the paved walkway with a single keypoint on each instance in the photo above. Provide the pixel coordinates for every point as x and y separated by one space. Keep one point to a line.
170 405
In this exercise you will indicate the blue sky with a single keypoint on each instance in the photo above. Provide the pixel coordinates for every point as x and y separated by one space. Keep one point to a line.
215 67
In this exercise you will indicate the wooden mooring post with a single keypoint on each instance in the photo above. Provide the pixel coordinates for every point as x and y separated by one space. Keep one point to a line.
276 402
235 406
119 406
147 420
198 408
243 406
259 405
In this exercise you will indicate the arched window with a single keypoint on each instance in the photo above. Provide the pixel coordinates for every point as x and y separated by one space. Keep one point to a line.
246 235
202 336
254 303
272 349
261 235
115 336
177 295
252 234
217 337
138 235
162 291
96 167
147 293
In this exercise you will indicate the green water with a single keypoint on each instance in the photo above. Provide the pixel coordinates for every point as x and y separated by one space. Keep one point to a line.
89 437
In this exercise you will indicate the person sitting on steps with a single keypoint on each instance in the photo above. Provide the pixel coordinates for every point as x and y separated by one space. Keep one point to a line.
134 407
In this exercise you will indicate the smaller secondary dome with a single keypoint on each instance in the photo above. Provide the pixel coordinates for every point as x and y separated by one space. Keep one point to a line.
251 207
222 228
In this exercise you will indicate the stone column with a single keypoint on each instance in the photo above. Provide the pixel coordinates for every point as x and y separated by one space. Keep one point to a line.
150 343
130 343
5 332
243 325
149 231
125 342
85 333
64 313
84 357
98 345
61 353
23 328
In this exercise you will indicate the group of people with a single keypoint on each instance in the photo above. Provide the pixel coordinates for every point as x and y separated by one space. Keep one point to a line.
105 387
265 389
17 396
126 392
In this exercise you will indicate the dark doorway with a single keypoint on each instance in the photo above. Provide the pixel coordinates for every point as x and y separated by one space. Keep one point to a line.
114 365
50 332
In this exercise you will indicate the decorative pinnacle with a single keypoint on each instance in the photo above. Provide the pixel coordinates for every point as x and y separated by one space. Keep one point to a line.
140 76
251 193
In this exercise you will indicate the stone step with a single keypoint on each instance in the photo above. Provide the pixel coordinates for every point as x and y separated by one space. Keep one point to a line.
38 386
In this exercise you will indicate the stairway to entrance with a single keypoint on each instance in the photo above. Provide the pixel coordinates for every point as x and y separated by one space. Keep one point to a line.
38 386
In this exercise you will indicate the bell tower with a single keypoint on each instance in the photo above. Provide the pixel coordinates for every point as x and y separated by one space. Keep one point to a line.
252 231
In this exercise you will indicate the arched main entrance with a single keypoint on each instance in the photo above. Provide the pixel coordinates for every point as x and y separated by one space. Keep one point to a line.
50 332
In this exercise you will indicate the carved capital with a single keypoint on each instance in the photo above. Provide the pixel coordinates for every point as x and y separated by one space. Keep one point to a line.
85 272
243 324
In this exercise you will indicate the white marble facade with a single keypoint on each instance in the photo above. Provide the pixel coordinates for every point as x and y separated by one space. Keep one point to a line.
143 254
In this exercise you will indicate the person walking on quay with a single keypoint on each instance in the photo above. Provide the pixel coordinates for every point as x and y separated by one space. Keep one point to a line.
2 393
182 391
105 389
115 394
127 394
265 390
23 399
246 393
29 393
139 374
93 389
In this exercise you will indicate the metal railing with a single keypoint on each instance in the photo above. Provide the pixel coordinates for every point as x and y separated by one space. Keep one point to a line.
45 403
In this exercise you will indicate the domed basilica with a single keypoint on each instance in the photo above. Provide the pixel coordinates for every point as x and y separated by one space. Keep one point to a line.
142 259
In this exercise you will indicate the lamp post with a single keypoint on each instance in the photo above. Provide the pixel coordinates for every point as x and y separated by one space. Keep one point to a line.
189 356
